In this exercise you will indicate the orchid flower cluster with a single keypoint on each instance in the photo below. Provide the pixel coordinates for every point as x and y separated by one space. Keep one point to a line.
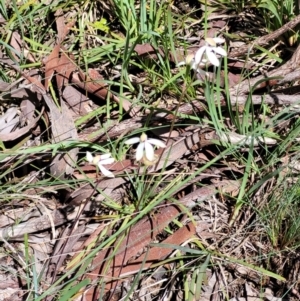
144 150
206 54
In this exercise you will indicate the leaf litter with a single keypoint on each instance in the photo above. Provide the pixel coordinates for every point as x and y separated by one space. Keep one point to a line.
64 224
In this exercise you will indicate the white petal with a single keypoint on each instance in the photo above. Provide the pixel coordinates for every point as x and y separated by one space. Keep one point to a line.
220 51
203 73
194 65
106 161
89 157
156 142
182 63
199 54
149 151
105 156
219 40
105 171
213 58
140 151
132 140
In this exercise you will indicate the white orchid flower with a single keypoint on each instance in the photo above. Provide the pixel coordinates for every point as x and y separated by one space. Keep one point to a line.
101 160
145 145
205 54
208 53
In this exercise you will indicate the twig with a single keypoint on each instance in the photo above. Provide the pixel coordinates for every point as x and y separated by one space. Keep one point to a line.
290 66
264 40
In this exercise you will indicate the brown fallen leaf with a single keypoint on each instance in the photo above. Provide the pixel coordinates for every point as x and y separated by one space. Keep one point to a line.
199 195
4 86
153 255
21 48
229 187
27 111
233 79
21 132
50 65
175 151
65 67
9 120
68 72
55 63
147 50
63 128
97 87
139 236
85 191
62 28
77 101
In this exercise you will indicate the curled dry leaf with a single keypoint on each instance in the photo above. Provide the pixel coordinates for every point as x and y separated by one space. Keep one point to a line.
9 120
21 48
21 132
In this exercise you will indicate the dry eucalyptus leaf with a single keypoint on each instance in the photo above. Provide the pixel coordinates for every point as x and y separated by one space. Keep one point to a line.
176 151
27 111
63 128
21 48
9 120
19 133
77 101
